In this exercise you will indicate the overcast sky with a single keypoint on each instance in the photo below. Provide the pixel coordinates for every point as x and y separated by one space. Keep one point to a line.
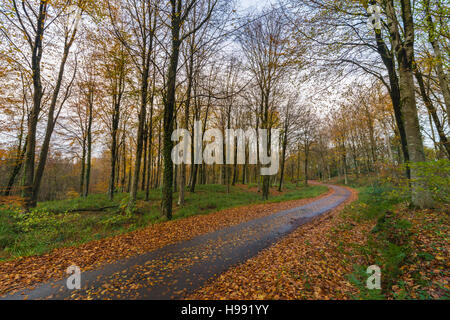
246 4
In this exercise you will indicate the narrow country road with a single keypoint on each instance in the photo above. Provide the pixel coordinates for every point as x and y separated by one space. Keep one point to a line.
175 270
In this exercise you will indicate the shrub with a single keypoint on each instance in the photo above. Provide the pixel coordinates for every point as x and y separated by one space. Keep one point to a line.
433 176
7 234
118 220
388 244
38 219
72 194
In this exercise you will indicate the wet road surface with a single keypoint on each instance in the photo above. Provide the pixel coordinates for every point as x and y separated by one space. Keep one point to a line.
173 271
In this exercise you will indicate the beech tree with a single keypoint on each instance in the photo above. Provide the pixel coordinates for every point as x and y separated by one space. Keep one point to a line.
134 24
180 12
264 44
31 19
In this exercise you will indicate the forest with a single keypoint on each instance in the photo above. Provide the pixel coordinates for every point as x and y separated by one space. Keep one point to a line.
346 98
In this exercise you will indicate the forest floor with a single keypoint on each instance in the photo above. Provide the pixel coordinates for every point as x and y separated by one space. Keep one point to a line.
328 258
72 222
29 270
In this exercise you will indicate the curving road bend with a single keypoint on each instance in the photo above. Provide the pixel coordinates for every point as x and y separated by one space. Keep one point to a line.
176 270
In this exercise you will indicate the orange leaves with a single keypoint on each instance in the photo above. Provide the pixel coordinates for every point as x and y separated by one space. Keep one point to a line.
431 248
15 274
13 201
305 265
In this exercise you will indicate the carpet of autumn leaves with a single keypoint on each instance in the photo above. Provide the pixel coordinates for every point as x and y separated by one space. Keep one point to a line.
315 261
28 271
428 273
306 264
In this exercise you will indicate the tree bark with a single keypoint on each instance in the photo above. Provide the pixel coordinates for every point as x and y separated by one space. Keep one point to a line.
150 139
89 150
394 92
283 157
434 40
114 152
405 55
169 107
16 170
83 166
36 48
147 51
190 74
432 110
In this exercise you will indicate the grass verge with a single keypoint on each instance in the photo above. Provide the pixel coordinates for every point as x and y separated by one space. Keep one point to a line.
75 221
410 247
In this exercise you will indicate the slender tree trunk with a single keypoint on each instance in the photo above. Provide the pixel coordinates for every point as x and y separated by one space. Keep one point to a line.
244 169
144 165
150 139
394 92
432 110
51 121
235 167
158 170
146 59
169 108
83 167
114 152
437 146
124 161
306 164
89 152
17 167
130 169
186 120
283 157
298 165
405 56
140 137
36 47
433 38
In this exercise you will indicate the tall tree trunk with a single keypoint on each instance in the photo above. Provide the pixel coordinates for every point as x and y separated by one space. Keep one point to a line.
140 136
83 166
169 108
235 167
265 125
306 164
158 170
186 118
89 151
36 47
114 152
405 55
150 139
130 170
394 92
244 168
434 40
298 165
51 121
432 110
124 161
344 167
17 167
283 157
144 165
146 59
